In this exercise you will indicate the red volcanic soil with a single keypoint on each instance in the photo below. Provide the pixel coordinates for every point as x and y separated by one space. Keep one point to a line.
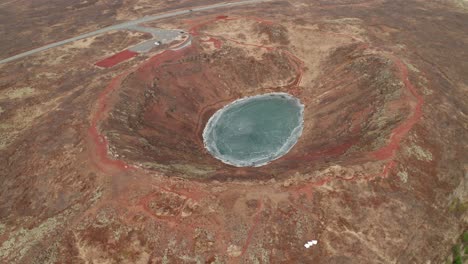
116 59
98 142
399 133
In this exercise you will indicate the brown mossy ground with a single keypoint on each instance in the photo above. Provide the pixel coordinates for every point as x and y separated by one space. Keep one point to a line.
63 203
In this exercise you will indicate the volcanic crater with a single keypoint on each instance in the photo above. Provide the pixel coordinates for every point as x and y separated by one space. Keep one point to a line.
159 110
108 164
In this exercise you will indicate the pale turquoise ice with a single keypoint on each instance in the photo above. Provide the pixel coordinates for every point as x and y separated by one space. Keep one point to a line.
255 130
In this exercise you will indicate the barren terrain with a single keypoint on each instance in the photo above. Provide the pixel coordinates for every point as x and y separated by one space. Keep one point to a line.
107 164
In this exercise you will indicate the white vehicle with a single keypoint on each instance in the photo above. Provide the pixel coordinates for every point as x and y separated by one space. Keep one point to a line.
310 243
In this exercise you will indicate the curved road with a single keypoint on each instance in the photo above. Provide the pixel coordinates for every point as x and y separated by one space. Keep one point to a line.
125 25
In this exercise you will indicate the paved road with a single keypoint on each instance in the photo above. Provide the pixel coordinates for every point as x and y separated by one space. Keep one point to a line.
130 24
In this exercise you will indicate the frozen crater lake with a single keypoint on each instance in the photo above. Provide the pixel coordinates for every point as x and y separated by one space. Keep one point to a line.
253 131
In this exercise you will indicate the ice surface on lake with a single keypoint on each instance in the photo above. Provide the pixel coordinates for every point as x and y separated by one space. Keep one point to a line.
255 130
